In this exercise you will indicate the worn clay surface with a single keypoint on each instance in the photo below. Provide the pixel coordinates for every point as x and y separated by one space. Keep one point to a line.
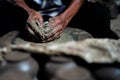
7 39
91 50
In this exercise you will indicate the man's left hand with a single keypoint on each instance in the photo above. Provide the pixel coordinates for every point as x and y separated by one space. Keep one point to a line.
57 24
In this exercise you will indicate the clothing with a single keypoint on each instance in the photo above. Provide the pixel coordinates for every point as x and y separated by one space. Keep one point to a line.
48 7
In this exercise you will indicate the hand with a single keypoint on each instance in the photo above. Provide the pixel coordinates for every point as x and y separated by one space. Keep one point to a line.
34 15
57 24
34 23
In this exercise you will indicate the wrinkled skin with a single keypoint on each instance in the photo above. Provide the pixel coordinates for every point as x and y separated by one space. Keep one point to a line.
35 15
57 24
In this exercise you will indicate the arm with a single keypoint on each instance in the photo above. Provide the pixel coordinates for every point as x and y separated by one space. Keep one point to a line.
71 11
58 23
33 15
22 4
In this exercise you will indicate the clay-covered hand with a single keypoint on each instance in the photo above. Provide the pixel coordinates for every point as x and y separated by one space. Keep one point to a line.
35 15
35 23
57 24
35 29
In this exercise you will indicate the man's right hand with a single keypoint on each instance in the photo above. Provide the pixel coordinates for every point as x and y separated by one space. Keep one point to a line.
35 16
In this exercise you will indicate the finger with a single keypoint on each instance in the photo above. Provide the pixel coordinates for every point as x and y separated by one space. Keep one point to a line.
53 22
53 25
32 24
50 34
35 28
31 18
30 31
37 23
48 30
41 30
53 32
34 16
41 21
56 36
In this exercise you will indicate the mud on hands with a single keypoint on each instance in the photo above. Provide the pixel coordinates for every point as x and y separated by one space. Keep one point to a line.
43 33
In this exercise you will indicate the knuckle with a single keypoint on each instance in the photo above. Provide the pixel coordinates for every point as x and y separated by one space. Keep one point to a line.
41 19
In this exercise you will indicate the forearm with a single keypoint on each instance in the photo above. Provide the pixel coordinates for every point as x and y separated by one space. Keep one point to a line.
22 4
72 9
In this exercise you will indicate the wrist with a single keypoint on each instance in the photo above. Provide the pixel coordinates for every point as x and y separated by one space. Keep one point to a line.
66 16
30 11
